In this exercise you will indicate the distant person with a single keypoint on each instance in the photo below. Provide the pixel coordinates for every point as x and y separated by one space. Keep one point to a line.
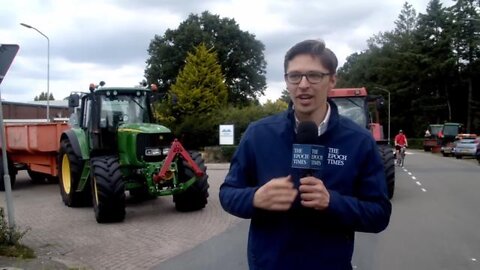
400 141
306 219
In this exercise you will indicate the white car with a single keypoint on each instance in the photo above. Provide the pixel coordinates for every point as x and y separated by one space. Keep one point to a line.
466 147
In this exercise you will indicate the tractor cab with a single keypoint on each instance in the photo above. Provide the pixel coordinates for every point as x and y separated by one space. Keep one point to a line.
109 114
357 105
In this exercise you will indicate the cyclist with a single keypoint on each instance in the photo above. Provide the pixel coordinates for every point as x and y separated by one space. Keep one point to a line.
400 142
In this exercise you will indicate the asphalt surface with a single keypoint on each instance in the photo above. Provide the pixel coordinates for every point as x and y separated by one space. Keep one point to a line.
434 225
153 231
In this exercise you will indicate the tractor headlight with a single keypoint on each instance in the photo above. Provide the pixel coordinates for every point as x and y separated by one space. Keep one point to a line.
150 152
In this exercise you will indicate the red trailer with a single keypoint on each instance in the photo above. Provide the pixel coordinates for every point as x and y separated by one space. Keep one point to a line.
33 147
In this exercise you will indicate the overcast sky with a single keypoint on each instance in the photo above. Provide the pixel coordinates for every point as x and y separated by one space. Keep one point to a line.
107 40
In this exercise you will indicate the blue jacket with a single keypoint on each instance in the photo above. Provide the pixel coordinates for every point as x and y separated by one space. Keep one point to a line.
303 238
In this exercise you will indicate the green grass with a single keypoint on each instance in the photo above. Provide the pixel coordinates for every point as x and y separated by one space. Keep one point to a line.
17 250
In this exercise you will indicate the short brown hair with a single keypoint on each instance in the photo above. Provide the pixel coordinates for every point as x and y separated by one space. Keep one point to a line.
315 48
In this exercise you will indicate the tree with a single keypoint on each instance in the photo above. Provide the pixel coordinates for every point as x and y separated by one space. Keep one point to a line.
198 93
285 97
43 96
199 88
466 26
239 53
437 66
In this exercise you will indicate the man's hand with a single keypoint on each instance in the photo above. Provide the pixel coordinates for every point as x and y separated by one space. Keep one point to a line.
313 193
277 194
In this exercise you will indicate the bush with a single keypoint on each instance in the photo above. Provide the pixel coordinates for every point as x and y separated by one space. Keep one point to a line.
415 143
10 240
219 153
227 152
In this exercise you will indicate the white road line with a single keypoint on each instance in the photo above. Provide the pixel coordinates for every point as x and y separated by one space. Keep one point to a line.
415 178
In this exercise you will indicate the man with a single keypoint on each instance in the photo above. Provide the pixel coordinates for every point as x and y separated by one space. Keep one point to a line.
400 141
305 220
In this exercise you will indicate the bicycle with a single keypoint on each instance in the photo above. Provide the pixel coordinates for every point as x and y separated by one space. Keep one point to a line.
401 156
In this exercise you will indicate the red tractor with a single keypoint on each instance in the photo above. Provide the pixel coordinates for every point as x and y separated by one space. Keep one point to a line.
363 109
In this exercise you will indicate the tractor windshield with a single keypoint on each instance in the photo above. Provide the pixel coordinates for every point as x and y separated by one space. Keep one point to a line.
353 108
117 109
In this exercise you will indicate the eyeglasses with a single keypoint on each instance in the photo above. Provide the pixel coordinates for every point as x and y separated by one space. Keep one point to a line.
313 77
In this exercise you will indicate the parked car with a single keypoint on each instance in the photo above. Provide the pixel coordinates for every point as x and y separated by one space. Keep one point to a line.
466 147
448 149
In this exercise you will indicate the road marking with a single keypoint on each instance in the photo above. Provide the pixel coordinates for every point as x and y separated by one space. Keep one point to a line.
474 260
414 178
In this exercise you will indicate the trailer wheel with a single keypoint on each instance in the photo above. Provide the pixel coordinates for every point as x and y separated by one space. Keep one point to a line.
11 171
69 171
108 189
36 177
388 159
195 197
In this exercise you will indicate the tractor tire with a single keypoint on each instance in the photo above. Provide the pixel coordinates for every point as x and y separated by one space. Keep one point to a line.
195 197
108 189
69 171
11 171
37 177
388 159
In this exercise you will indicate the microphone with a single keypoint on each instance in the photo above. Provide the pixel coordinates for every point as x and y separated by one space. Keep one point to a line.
305 154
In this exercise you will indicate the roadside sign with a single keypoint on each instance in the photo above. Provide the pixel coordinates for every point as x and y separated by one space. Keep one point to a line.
7 54
226 134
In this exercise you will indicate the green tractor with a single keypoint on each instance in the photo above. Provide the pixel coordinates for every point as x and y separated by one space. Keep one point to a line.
114 146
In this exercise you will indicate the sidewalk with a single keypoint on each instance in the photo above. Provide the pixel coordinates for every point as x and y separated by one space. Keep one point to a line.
40 263
59 248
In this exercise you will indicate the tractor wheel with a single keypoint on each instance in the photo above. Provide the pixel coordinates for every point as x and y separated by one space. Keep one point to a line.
108 189
389 167
69 171
195 197
37 177
11 171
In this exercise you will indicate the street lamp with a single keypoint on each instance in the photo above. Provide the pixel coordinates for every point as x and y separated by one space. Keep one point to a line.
48 66
385 90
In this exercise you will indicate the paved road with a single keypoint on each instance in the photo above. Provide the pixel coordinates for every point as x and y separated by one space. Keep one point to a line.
151 233
435 220
434 225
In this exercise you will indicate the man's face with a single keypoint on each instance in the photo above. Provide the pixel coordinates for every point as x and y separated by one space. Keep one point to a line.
309 98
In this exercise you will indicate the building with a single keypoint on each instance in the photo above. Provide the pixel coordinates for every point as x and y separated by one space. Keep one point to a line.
35 109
